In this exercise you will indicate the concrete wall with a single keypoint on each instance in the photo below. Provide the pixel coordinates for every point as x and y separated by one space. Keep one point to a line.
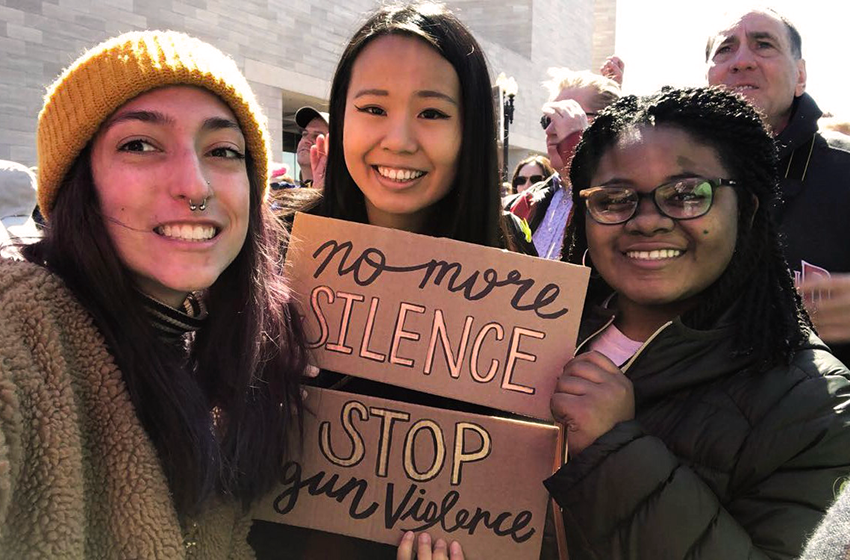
287 49
604 31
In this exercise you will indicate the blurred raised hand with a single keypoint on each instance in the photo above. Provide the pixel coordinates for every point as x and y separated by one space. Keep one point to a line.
319 161
613 68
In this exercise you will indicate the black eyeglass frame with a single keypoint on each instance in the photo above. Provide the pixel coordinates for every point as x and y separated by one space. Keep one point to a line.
714 183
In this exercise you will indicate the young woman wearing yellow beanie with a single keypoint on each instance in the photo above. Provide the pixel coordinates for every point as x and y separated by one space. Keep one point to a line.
149 356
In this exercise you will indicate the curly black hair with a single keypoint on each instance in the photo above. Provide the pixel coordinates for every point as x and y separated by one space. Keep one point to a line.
770 318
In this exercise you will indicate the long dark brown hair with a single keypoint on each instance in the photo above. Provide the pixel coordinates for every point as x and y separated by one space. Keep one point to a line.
243 367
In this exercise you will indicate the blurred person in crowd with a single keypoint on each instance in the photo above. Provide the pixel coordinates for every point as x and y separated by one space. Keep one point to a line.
279 182
313 124
281 179
529 172
574 100
150 358
17 202
704 417
758 54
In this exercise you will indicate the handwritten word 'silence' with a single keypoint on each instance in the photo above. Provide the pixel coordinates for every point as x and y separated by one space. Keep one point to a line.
477 285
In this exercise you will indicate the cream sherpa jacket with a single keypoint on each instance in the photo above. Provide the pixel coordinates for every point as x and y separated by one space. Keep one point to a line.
79 478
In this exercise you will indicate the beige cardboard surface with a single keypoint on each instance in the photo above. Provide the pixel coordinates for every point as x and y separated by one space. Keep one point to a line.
471 323
373 468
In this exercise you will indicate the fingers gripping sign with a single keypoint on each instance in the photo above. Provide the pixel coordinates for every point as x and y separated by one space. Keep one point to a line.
425 551
591 397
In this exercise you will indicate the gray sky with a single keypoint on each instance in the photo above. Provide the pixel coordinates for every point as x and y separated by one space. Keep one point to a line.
663 43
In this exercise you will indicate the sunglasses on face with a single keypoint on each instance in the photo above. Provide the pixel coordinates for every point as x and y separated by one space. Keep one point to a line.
546 120
531 180
684 199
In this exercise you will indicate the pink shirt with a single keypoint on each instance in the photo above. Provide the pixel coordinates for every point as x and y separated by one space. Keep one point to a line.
615 345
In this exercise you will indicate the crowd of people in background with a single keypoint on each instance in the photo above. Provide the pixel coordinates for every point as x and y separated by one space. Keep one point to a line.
147 334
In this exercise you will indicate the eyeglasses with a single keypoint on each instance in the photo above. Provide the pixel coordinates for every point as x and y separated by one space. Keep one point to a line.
545 120
520 180
684 199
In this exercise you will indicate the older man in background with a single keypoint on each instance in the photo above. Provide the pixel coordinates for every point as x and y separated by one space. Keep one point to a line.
758 53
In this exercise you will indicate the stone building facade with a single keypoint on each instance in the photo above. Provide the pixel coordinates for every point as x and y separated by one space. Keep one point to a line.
287 49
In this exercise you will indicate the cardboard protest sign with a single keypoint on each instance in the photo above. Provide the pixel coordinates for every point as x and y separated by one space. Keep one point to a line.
374 468
463 321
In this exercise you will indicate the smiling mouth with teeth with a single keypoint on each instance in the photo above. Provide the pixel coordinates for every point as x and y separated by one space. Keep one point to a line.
187 232
655 255
397 174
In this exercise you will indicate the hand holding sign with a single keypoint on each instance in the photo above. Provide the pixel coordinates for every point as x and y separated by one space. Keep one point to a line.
828 302
470 323
591 397
424 551
375 468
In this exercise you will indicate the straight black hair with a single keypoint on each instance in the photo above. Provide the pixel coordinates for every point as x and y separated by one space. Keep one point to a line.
471 210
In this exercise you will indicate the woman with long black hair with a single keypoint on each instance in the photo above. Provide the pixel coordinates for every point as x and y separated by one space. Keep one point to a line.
411 146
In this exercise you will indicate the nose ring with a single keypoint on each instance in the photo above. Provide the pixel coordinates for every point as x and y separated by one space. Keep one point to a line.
202 206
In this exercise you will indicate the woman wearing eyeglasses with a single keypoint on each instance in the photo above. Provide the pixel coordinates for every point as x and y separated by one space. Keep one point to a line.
705 419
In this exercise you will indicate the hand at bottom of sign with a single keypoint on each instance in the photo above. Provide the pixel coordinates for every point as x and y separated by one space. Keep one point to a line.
591 397
424 549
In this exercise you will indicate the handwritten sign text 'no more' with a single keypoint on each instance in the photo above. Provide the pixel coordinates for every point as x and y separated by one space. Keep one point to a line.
472 323
373 468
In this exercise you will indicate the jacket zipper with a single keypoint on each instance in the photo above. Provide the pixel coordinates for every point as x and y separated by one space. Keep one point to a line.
628 364
636 354
592 336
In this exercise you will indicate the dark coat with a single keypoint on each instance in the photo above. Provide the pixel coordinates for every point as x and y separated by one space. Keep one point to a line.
719 462
812 216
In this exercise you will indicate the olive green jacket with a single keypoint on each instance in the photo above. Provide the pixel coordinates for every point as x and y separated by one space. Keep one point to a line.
720 461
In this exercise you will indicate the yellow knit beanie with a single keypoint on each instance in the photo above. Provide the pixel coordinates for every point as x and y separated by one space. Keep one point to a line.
121 68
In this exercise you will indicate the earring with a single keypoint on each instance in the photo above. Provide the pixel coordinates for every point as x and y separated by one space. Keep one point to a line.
585 259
